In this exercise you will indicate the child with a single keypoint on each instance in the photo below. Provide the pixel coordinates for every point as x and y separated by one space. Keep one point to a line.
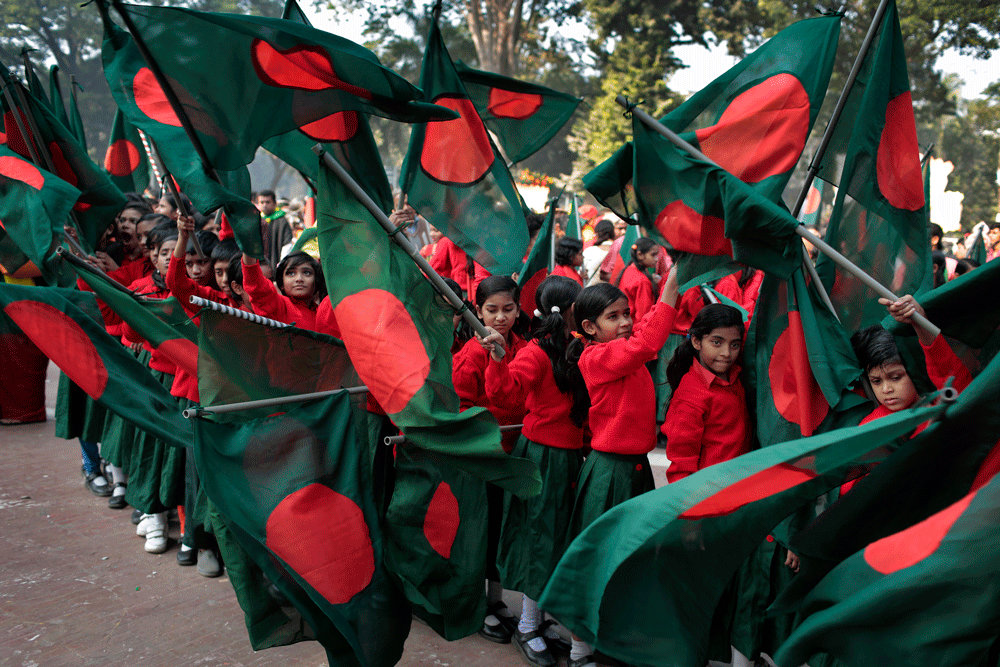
193 279
595 254
535 532
635 282
707 422
300 289
569 259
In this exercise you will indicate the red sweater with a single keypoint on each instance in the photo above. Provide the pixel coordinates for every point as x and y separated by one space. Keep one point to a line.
528 383
157 361
569 272
182 287
707 422
469 377
450 261
622 403
690 304
639 290
268 302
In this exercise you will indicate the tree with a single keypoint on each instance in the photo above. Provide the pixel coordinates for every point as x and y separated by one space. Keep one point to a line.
971 141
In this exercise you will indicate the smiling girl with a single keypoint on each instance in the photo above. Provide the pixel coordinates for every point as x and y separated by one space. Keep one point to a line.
299 291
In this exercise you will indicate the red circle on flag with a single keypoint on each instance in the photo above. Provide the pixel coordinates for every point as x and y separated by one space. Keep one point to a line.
898 163
813 200
796 394
340 126
508 104
63 168
302 67
442 520
151 100
764 484
912 545
762 132
689 231
457 151
384 345
63 341
19 170
323 536
121 158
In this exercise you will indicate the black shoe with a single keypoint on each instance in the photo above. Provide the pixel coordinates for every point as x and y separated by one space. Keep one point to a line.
541 658
497 634
558 646
186 557
117 502
136 517
580 662
100 490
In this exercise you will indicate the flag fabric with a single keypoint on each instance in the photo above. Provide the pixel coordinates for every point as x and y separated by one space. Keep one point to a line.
620 253
34 206
879 218
523 116
574 227
79 344
536 266
977 253
56 100
656 566
125 160
99 201
926 595
278 76
295 491
812 209
75 119
34 83
454 176
13 262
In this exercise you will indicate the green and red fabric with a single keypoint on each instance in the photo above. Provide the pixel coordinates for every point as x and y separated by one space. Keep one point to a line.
125 160
536 266
879 218
522 115
925 595
99 201
620 254
687 539
455 177
295 490
92 359
34 206
812 208
279 76
13 261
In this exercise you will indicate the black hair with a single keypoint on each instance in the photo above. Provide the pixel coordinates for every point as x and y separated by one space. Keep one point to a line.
463 332
133 198
874 347
173 203
234 274
137 205
207 240
163 231
711 317
566 250
267 193
225 250
746 275
554 299
935 230
965 265
605 231
643 244
497 285
295 259
535 222
994 225
939 268
589 304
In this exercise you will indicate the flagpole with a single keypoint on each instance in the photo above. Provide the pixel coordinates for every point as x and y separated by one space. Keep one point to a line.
159 168
236 312
197 410
800 229
841 103
87 266
390 440
404 243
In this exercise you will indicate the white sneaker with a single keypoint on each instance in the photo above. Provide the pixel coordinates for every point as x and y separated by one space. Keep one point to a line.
208 564
156 541
143 526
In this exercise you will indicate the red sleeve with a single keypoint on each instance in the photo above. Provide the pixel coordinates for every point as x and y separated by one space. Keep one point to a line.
942 363
264 296
468 375
326 320
643 290
684 428
183 288
440 260
508 384
620 358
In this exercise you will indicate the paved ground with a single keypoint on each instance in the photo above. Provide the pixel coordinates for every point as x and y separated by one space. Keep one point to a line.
76 588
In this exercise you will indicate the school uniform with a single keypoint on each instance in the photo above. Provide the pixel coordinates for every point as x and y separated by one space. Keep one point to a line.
568 272
639 289
268 302
469 377
450 261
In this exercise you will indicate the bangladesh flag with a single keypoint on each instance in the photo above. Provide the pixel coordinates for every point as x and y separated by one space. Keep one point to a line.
522 115
574 227
74 338
241 80
100 200
879 218
56 100
125 161
925 595
454 176
75 119
34 206
621 253
295 490
812 209
656 566
13 261
977 253
536 266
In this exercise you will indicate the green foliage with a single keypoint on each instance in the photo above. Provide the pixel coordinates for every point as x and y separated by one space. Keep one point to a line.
970 141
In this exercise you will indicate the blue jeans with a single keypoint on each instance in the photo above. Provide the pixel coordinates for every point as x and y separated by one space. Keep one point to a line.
91 457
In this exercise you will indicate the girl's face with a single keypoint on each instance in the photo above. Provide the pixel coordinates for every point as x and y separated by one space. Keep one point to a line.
199 269
647 260
212 226
299 282
126 223
892 386
142 231
220 277
719 350
614 322
161 255
499 311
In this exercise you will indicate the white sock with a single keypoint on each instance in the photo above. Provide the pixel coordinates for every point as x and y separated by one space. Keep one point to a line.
185 547
117 474
579 650
740 660
531 618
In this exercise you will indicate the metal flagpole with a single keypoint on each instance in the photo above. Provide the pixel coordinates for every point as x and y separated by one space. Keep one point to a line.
236 312
197 410
401 439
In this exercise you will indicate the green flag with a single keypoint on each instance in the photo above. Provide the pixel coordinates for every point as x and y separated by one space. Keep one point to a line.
75 119
34 206
977 253
574 227
56 96
522 115
78 343
455 177
879 218
536 266
811 214
657 565
125 160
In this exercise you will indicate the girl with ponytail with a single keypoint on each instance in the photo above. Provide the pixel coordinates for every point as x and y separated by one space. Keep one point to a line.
635 282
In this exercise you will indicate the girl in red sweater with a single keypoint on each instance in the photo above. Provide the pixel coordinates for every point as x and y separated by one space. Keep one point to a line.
635 282
535 532
569 259
707 422
297 296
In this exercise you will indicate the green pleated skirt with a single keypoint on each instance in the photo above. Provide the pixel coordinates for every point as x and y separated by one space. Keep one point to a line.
78 415
155 469
607 480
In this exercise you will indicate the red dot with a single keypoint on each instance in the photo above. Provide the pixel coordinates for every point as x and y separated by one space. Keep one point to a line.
303 67
813 200
81 206
763 484
770 538
457 151
150 99
394 365
898 165
508 104
638 466
122 158
340 126
182 352
908 547
762 132
442 520
14 139
689 231
19 170
64 342
796 394
323 536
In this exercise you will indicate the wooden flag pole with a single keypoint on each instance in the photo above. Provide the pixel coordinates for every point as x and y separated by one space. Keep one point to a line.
404 243
800 229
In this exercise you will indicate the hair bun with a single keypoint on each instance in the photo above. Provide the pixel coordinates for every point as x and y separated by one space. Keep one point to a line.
554 309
